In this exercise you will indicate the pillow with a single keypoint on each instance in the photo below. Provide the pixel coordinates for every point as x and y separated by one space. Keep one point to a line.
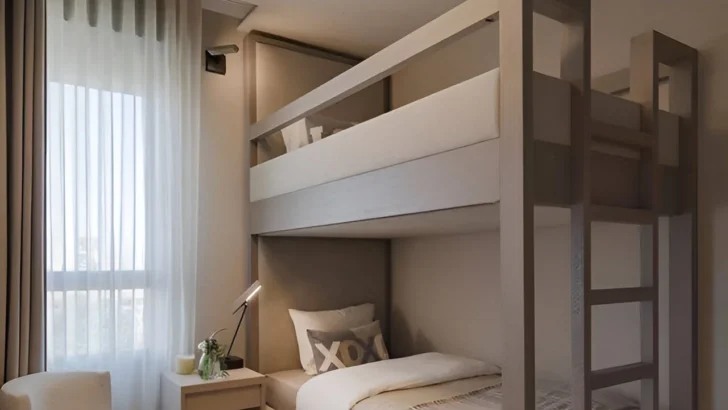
295 135
329 320
347 348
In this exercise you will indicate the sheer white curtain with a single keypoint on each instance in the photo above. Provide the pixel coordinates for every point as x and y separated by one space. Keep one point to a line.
122 188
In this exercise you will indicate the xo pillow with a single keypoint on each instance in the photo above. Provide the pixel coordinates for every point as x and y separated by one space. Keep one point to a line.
327 321
347 348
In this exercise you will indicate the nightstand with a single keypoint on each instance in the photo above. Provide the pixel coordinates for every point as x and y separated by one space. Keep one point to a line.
243 389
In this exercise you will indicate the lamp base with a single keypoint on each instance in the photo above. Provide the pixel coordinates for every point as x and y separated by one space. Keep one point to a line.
234 362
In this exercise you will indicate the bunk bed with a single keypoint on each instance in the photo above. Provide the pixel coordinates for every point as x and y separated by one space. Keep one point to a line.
509 150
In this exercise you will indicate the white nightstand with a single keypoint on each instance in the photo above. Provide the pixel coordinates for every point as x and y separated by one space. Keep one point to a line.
243 389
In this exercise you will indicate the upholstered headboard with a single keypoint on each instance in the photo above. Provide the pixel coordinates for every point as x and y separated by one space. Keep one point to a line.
310 274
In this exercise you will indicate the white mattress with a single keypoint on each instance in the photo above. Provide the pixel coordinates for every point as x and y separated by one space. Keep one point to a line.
282 388
456 117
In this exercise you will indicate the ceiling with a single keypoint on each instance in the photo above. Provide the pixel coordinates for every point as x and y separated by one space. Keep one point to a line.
236 8
363 27
357 27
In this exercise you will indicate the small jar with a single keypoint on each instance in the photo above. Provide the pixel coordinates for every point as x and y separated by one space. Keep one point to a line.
211 362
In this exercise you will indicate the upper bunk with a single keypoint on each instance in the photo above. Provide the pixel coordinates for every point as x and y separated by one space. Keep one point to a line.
432 166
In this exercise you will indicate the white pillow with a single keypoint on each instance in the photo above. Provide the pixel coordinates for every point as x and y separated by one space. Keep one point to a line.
295 135
328 321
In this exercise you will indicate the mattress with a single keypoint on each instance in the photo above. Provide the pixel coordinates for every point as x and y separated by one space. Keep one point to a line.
406 399
282 388
453 118
485 393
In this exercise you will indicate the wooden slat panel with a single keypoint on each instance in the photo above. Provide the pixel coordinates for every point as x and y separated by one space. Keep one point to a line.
614 376
621 295
622 215
403 189
620 135
452 25
517 202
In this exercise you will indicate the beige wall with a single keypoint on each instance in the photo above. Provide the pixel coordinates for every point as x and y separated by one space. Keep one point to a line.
446 297
284 75
222 241
469 56
223 233
713 234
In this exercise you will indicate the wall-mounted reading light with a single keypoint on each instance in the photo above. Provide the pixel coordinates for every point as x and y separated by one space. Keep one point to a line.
215 58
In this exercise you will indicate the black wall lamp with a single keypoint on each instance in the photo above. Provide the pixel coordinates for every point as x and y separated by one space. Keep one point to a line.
215 58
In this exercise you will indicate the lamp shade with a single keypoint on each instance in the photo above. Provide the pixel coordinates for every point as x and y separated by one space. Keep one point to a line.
247 296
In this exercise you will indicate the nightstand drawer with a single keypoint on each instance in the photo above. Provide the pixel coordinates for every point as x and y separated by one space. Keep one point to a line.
227 399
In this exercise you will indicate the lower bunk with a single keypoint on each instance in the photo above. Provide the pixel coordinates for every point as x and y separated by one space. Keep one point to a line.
430 381
323 291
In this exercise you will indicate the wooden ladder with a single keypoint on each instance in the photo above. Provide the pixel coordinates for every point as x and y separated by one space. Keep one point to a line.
584 213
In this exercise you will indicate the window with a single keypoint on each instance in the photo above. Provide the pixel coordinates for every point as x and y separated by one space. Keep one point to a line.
95 225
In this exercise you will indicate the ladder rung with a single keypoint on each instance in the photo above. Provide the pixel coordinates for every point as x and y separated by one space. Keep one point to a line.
622 215
621 295
614 376
620 135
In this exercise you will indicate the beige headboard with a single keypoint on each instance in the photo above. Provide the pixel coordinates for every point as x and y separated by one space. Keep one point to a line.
310 274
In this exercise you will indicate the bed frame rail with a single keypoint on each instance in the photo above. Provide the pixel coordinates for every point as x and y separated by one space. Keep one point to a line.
517 173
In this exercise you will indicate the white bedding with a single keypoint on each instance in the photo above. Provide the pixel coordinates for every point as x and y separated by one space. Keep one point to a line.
344 388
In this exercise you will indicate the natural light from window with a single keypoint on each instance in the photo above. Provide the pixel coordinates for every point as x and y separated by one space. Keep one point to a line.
95 225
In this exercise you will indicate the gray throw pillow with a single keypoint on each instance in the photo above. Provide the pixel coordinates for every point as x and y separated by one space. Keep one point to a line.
347 348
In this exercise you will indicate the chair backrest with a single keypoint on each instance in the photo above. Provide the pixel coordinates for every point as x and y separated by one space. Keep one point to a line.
58 391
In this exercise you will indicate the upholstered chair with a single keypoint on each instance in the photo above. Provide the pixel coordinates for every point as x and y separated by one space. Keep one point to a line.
58 391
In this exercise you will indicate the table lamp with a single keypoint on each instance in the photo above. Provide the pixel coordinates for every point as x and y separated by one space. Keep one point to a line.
234 362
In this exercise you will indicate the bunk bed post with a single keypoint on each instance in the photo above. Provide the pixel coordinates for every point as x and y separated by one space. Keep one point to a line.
250 113
517 191
644 89
576 69
648 52
682 61
683 279
516 207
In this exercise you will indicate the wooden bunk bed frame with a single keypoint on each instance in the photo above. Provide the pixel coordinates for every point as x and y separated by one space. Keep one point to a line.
518 193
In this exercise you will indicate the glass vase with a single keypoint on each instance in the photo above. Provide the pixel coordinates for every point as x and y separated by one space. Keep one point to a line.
210 367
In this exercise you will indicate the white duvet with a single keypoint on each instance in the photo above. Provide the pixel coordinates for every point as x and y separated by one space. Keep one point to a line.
344 388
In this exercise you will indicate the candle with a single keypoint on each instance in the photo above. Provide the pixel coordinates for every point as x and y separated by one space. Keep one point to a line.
185 364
